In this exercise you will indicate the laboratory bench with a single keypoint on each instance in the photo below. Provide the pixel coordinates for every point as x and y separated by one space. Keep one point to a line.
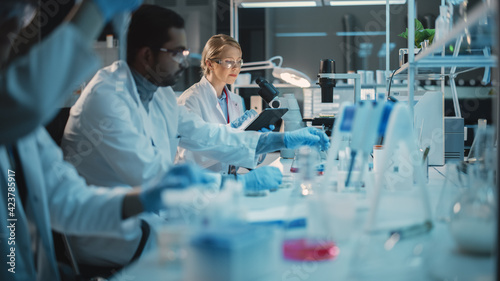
362 255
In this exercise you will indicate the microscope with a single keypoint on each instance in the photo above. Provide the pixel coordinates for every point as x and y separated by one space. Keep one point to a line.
326 80
268 93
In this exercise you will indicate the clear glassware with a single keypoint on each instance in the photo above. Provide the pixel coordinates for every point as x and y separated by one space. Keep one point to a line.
319 161
294 168
481 126
474 216
455 183
473 220
309 241
292 120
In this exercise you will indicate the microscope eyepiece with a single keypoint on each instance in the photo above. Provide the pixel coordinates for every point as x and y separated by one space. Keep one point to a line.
326 84
268 92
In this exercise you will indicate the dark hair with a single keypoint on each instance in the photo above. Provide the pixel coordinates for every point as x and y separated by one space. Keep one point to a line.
149 27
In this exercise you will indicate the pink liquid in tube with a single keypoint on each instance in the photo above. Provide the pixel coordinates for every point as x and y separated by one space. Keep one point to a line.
309 249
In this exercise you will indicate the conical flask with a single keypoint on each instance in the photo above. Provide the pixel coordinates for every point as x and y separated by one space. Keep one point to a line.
307 235
456 182
393 245
474 216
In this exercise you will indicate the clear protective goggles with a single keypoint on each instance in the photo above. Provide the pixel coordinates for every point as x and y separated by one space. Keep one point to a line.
179 56
22 10
229 63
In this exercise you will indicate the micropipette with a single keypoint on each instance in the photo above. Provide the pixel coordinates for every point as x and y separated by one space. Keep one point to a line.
370 133
341 130
398 130
359 128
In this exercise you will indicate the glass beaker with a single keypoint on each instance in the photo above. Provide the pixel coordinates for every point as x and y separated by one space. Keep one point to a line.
319 158
185 212
309 241
455 183
474 217
473 220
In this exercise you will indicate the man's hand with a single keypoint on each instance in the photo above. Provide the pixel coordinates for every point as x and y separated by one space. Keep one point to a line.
179 177
263 178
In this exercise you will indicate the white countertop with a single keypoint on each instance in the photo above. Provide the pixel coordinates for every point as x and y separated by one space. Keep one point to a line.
433 256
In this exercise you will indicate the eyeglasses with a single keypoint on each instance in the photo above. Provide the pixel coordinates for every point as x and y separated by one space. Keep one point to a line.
229 63
179 56
13 9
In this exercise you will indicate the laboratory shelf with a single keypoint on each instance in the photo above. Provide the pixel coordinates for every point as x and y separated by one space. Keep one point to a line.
461 61
429 64
430 67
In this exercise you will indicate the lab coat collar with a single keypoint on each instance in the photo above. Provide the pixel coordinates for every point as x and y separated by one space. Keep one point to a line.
206 84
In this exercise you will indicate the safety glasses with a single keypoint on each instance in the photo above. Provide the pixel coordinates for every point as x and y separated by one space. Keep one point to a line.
229 63
17 9
179 56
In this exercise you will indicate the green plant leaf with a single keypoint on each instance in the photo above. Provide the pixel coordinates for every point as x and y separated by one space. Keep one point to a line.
421 34
418 25
404 34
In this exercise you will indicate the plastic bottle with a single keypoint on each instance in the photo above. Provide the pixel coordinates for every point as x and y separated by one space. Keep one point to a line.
442 23
292 120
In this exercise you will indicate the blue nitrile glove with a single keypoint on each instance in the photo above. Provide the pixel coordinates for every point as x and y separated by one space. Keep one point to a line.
109 8
265 130
306 136
247 115
178 177
262 178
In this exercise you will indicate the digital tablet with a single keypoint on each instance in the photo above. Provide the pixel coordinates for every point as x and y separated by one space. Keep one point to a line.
267 117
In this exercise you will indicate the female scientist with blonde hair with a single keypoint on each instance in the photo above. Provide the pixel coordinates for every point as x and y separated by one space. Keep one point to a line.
211 99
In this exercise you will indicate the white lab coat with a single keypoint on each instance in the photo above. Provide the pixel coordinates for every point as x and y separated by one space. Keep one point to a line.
112 140
58 198
201 99
34 86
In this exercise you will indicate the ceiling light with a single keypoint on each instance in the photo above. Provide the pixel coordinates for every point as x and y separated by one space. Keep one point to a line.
279 4
365 2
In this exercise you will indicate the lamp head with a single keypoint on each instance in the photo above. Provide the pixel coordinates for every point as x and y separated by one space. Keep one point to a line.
292 76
